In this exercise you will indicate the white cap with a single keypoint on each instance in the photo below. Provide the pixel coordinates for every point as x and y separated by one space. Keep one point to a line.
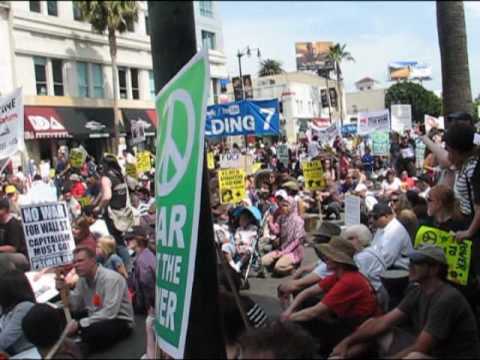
281 193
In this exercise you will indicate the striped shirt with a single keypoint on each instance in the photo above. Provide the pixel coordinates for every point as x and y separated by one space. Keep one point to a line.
257 317
463 181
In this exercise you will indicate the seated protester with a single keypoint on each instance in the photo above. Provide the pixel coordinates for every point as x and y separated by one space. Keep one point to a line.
391 184
42 326
408 183
290 229
142 282
443 323
238 253
82 234
278 341
100 301
308 275
16 300
98 226
106 247
391 239
74 207
12 239
348 299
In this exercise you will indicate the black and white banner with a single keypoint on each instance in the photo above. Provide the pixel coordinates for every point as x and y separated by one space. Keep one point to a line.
11 124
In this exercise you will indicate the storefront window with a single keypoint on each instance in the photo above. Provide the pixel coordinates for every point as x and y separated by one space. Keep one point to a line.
97 75
52 8
82 79
40 64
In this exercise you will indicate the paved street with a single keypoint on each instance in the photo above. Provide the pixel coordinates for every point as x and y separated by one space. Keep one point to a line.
262 291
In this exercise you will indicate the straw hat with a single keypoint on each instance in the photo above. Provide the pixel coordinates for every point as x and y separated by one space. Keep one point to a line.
338 250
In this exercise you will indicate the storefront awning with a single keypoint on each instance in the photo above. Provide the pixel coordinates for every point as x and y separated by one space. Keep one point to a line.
147 116
65 122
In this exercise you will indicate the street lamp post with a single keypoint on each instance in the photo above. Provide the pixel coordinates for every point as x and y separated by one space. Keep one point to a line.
247 51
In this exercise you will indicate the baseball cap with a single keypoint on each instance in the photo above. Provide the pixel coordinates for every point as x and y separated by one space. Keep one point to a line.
10 189
428 252
281 193
291 185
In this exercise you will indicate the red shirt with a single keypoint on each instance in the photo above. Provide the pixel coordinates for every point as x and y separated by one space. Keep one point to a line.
350 296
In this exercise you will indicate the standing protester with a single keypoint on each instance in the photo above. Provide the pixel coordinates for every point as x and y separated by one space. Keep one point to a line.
114 204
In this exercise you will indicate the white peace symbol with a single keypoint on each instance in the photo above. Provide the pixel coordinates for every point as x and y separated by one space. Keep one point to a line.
170 150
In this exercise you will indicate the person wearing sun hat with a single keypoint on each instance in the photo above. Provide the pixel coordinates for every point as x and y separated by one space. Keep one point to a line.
348 298
443 323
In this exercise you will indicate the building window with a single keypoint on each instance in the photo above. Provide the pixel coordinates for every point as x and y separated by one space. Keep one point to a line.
52 8
151 81
206 8
97 76
135 89
35 6
40 75
147 26
57 71
130 25
77 13
208 39
122 82
82 78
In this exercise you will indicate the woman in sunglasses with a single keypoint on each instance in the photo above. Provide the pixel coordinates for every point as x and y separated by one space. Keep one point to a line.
443 209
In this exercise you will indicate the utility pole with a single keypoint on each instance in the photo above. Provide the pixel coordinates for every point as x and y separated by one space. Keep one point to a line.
173 44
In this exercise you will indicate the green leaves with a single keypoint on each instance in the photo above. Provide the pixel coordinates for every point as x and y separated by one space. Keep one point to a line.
270 67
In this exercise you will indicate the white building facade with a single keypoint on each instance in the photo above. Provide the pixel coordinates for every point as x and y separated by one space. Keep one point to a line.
65 71
304 98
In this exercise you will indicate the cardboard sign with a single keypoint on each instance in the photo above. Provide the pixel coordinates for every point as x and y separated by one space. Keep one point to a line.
48 235
232 185
420 149
11 124
138 132
131 170
210 161
77 158
458 254
373 121
256 166
313 174
401 117
143 162
380 144
352 210
432 122
282 154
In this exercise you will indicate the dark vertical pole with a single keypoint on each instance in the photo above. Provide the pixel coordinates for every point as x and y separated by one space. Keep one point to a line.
239 55
173 44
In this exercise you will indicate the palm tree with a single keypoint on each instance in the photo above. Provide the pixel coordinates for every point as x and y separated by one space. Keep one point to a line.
270 67
452 38
112 17
336 55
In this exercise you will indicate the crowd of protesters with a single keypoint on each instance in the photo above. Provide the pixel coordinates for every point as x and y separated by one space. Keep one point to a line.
371 292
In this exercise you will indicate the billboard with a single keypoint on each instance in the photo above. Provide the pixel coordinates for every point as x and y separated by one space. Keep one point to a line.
409 70
312 56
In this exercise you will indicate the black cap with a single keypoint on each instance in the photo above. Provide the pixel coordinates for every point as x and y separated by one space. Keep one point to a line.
4 204
138 231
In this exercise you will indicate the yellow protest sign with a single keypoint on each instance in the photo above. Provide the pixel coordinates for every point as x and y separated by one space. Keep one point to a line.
77 158
143 162
210 161
313 174
85 201
256 166
131 170
232 185
458 254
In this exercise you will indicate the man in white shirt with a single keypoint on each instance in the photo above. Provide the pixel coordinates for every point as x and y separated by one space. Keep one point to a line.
391 239
313 148
39 192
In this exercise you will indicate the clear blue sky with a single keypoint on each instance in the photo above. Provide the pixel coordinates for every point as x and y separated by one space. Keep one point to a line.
376 33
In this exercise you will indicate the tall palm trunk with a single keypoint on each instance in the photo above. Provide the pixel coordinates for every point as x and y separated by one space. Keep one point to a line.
339 92
452 38
112 40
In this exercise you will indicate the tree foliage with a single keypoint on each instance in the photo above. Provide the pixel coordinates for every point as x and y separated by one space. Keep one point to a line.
109 15
270 67
423 101
337 54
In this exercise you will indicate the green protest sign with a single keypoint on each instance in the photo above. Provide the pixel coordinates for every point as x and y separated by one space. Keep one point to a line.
380 144
181 110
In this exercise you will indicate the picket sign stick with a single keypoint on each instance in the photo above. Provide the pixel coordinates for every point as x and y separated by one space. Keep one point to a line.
64 297
59 343
232 286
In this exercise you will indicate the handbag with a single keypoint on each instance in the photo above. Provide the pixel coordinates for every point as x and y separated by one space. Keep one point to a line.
122 219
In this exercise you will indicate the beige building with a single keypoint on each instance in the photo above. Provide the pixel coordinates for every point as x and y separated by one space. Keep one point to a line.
366 98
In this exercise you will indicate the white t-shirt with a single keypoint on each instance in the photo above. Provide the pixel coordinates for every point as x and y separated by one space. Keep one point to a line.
393 243
395 186
313 149
370 264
